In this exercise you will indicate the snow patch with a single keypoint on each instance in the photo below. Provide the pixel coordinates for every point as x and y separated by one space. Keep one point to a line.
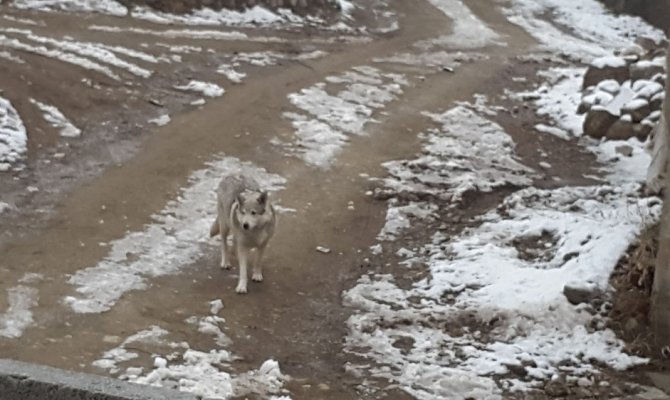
13 136
474 281
161 121
469 32
594 31
99 53
56 118
206 88
326 120
18 316
468 152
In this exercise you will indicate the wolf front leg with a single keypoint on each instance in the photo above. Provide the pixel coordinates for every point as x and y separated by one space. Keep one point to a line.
257 275
243 258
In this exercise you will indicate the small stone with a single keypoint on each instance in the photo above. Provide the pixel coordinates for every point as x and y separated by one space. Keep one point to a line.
625 150
156 103
583 393
638 109
580 294
642 131
323 386
322 249
584 382
545 165
516 369
134 371
556 388
215 306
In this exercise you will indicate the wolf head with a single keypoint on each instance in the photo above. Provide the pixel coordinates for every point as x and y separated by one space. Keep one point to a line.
251 209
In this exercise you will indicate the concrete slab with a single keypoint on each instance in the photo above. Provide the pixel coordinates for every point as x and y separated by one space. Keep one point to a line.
24 381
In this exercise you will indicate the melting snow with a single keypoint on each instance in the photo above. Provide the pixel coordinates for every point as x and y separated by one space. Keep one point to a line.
13 136
10 57
56 118
95 51
476 281
206 88
190 370
161 121
101 6
469 32
326 120
18 316
467 153
595 32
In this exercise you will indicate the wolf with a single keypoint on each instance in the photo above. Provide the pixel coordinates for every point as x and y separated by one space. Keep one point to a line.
245 211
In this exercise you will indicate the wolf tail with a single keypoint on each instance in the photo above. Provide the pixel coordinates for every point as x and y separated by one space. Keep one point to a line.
214 229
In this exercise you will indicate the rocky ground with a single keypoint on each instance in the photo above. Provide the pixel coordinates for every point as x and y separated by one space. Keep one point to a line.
456 180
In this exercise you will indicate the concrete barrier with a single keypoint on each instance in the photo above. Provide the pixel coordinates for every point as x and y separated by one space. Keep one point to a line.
24 381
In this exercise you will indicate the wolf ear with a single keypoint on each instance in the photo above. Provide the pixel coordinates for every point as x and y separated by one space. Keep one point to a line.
263 198
239 199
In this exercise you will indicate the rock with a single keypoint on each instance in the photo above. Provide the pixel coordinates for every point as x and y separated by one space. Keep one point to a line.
556 388
634 50
642 130
605 68
645 89
631 325
610 86
620 130
583 107
647 44
584 382
656 101
625 150
645 69
583 393
598 121
638 109
659 78
655 116
517 369
580 294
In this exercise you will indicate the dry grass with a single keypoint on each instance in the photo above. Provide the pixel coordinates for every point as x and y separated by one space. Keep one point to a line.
632 281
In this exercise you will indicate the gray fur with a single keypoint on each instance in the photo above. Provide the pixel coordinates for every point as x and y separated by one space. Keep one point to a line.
246 212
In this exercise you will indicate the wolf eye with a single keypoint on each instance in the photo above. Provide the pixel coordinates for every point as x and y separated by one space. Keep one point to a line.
253 213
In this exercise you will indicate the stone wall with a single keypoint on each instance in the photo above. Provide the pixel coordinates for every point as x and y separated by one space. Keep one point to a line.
656 12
